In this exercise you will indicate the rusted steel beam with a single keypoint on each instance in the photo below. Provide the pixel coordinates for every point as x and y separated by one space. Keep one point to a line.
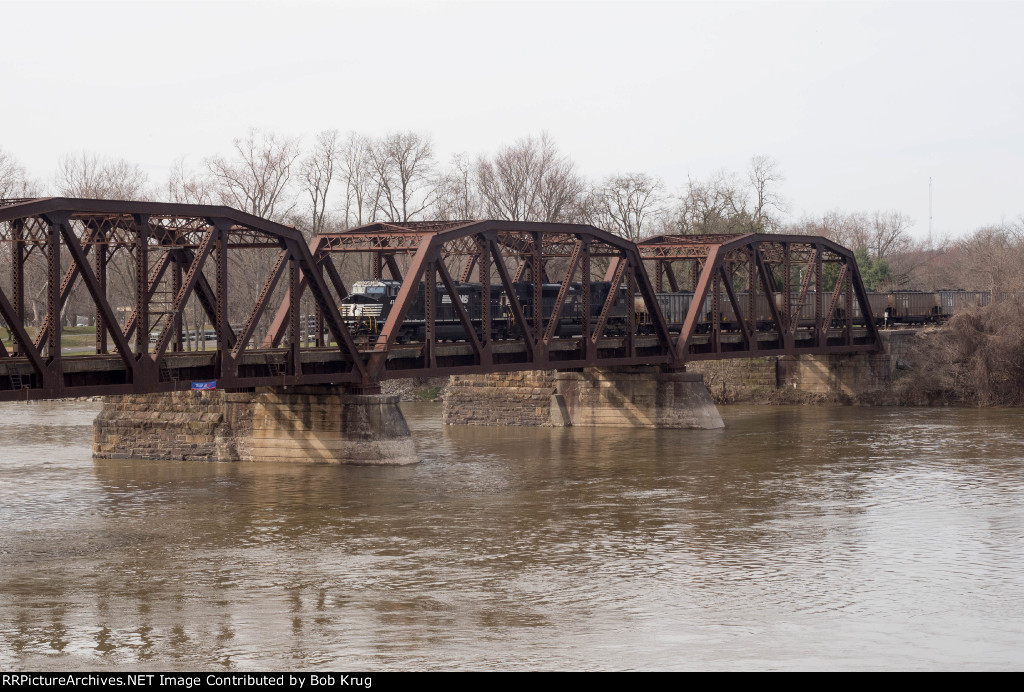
141 287
430 313
18 274
832 303
188 284
616 270
819 289
700 294
261 305
406 294
484 275
805 282
178 320
513 299
66 284
294 325
392 265
650 298
768 283
98 296
749 339
587 344
630 307
322 297
20 336
752 297
563 291
156 275
460 309
54 377
101 256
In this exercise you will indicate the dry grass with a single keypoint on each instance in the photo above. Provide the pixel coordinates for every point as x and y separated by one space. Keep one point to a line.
977 358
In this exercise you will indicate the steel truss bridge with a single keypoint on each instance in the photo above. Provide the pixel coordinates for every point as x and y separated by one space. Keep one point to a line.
145 271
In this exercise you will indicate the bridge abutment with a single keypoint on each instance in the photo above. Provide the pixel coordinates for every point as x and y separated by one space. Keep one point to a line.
299 425
593 397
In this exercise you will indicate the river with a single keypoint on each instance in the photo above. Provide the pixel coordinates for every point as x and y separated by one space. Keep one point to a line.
795 538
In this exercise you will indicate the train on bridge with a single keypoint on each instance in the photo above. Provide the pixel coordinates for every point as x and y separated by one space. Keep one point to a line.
368 307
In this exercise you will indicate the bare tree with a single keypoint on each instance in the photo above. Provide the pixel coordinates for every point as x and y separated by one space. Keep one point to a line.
764 175
258 178
630 205
890 233
457 196
715 205
530 181
186 187
355 174
990 258
93 177
403 170
14 180
318 170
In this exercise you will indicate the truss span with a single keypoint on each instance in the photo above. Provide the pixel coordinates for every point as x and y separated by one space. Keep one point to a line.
176 293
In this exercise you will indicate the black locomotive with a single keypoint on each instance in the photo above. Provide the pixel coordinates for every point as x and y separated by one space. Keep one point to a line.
367 308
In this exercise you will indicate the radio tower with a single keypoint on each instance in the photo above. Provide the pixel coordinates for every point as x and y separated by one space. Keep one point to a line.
929 207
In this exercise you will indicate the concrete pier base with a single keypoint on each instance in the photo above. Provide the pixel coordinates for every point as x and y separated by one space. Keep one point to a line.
301 424
594 397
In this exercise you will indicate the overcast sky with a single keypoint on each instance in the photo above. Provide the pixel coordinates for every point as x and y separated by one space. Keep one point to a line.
860 103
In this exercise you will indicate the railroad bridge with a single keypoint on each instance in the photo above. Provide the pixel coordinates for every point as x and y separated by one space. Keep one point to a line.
181 294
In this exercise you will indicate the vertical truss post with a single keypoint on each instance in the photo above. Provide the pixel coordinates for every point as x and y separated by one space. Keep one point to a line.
430 310
142 284
716 312
659 269
18 278
294 306
318 312
176 344
585 299
536 262
378 270
484 274
819 288
787 301
630 280
752 296
100 257
53 294
220 325
849 308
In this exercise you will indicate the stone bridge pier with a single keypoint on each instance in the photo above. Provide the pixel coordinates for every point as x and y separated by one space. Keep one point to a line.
324 424
643 397
328 424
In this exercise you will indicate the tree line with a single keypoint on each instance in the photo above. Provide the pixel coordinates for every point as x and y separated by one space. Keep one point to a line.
339 181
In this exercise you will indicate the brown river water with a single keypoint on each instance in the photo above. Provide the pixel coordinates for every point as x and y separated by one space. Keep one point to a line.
798 537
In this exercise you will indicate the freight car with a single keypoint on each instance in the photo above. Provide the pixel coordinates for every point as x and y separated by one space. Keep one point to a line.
368 307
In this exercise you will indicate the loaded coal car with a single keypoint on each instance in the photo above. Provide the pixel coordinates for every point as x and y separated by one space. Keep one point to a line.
913 307
952 301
